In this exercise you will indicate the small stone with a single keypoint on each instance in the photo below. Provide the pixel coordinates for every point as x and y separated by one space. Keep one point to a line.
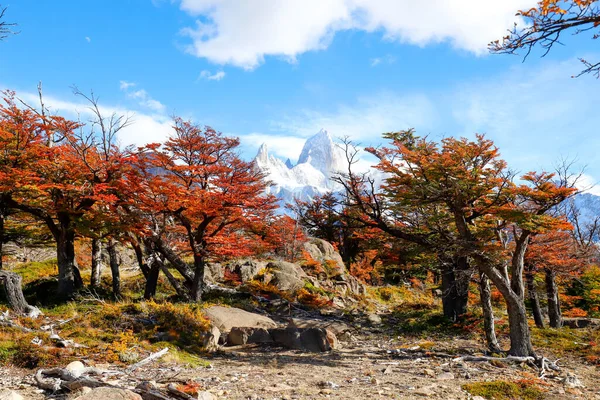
6 394
206 396
446 376
425 391
429 372
374 319
106 393
375 381
477 398
388 370
76 368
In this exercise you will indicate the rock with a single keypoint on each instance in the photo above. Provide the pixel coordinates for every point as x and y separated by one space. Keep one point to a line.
286 276
107 393
323 251
247 269
446 376
226 318
213 272
307 339
336 327
7 394
477 398
211 339
388 370
429 372
76 368
571 381
374 319
425 391
243 335
206 396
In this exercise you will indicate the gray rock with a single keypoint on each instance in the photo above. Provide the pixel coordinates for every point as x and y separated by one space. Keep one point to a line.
214 272
306 339
211 339
247 269
323 251
7 394
336 327
446 376
226 318
239 336
76 368
286 276
374 319
107 393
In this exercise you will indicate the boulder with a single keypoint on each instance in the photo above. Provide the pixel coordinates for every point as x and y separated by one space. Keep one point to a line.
214 272
211 339
286 276
7 394
336 327
226 318
239 336
307 339
247 269
108 393
323 251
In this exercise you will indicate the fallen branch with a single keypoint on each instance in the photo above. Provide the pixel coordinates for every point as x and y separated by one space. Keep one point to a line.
148 360
176 392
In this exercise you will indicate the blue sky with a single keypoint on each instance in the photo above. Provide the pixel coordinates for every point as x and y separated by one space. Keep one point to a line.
277 71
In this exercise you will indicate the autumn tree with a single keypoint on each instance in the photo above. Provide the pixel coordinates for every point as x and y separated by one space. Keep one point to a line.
456 197
197 195
546 23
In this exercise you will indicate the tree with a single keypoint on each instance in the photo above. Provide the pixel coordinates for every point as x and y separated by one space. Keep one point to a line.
57 172
6 28
545 24
197 195
458 197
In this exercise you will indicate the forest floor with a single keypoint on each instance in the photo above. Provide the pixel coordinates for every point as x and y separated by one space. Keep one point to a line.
373 362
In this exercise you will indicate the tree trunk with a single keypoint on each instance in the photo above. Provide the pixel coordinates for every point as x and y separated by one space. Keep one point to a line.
533 297
152 281
114 261
520 337
455 288
1 239
69 278
14 293
96 263
554 313
485 293
198 284
139 255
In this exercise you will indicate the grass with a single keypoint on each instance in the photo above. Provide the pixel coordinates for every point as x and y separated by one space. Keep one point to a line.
503 390
583 343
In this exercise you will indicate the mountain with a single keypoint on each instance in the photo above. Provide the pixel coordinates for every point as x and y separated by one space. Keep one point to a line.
319 160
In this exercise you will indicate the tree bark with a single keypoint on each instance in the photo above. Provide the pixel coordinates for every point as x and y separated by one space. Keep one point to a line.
485 295
152 281
114 262
1 239
96 263
533 297
198 284
520 337
554 313
14 292
69 278
455 288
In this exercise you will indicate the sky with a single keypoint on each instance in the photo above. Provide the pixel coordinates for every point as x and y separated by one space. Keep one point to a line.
278 71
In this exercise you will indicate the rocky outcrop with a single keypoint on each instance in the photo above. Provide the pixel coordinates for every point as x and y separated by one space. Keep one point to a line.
324 252
285 276
306 339
226 318
240 336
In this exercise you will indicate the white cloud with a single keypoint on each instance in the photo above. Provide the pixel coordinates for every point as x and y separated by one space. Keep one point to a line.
281 146
365 120
243 32
144 128
217 76
88 39
124 85
387 59
142 97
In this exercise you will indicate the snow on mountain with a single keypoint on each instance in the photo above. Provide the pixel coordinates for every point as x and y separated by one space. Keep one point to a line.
320 159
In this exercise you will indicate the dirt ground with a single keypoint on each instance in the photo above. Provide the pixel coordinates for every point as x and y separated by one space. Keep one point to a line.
366 366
